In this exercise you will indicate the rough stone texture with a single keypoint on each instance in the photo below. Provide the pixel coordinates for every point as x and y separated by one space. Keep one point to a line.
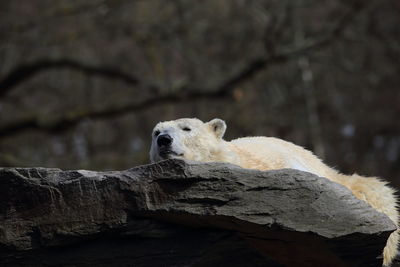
179 213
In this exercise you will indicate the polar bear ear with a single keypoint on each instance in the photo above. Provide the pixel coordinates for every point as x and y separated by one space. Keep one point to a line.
218 126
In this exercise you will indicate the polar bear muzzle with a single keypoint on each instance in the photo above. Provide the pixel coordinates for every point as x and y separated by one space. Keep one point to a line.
164 140
164 143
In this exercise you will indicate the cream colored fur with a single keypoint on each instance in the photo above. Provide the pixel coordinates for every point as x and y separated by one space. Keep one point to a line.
204 143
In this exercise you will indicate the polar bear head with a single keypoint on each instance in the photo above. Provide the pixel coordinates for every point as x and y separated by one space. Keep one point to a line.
189 139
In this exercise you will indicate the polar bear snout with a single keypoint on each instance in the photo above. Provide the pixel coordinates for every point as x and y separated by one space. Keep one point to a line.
164 140
165 148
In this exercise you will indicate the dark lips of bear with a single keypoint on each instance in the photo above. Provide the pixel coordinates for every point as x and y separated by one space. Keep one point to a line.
167 153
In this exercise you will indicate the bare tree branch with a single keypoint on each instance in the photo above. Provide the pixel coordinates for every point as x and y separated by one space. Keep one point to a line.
57 11
23 72
288 53
70 119
334 33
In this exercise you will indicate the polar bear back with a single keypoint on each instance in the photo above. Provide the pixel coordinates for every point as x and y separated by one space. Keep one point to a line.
277 154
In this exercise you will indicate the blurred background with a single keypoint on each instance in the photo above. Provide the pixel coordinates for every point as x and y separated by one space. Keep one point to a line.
83 82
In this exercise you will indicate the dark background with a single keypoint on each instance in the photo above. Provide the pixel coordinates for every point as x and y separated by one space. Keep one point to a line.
82 83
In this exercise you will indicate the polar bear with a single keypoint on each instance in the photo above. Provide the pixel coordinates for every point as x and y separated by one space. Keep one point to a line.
195 140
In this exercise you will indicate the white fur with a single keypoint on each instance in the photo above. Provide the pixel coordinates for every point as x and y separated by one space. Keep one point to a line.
204 143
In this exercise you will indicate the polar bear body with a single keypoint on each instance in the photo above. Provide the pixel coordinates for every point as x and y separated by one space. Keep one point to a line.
195 140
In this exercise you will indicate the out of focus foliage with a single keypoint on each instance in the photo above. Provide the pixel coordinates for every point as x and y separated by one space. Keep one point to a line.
82 83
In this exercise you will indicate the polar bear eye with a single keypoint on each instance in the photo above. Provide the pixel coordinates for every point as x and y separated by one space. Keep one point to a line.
156 133
186 129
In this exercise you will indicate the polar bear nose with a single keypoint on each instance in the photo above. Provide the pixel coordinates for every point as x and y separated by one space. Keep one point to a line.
164 140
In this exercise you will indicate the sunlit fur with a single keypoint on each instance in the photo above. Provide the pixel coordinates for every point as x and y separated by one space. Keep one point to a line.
204 143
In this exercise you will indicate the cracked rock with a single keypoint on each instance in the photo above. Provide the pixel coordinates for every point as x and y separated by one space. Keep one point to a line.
181 213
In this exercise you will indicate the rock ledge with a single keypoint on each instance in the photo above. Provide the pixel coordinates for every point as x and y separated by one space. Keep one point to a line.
181 213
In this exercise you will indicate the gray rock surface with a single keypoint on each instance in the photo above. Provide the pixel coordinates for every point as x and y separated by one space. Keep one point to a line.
180 213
